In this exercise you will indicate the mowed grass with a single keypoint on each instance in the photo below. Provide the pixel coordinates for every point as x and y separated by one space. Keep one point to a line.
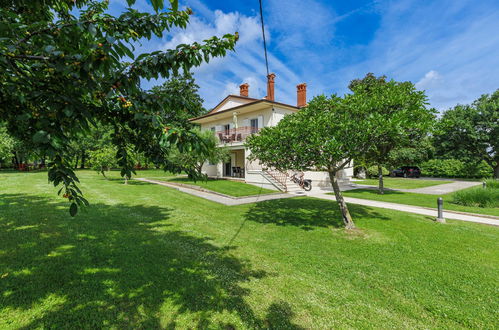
147 256
227 187
402 183
425 200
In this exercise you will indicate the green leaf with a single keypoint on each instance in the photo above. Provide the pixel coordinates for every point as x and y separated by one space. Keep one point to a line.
174 4
91 29
41 137
73 209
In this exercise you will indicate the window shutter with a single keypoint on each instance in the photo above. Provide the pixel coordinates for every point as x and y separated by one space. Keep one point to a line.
260 122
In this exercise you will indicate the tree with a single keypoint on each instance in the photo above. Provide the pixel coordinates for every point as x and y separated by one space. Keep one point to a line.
103 159
324 136
96 137
68 65
188 103
191 161
470 133
397 113
417 152
6 145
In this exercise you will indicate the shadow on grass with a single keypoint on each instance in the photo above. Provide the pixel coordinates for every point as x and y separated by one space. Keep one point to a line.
187 180
374 191
121 181
306 213
117 266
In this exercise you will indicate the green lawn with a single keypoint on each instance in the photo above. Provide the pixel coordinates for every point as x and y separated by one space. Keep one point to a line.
147 256
402 183
227 187
425 200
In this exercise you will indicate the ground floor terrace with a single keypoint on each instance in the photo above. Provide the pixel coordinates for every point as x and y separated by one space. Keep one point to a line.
239 167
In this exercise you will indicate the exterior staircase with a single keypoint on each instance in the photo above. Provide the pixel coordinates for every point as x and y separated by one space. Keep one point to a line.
277 179
294 189
283 182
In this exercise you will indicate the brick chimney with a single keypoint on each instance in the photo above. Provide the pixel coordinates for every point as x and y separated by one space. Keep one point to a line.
243 89
270 87
301 95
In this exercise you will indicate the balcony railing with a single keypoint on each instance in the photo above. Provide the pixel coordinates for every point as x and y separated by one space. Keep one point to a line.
236 134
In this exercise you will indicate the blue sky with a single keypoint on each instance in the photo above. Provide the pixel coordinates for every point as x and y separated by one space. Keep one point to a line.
450 49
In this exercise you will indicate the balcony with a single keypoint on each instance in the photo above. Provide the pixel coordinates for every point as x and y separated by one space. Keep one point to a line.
236 134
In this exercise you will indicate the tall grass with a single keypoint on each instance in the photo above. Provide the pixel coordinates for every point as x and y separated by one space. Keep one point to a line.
479 196
492 183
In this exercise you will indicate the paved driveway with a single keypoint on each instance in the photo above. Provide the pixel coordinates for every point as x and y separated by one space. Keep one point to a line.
442 189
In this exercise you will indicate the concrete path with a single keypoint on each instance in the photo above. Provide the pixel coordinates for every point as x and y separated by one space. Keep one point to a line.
442 189
219 198
489 220
226 200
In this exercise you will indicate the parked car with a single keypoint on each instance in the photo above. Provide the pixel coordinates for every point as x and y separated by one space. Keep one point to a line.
407 172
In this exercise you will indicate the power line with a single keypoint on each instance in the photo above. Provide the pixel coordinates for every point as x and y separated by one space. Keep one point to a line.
264 41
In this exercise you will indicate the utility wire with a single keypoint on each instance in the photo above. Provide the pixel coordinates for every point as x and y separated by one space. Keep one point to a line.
264 41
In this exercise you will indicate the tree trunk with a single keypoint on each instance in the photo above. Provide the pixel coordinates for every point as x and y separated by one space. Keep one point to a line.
82 166
199 169
16 160
496 171
347 218
76 162
380 180
102 171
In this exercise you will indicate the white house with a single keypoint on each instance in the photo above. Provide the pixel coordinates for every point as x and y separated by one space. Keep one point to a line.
238 116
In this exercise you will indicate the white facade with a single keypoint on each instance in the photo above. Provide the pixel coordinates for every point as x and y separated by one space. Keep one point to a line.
235 118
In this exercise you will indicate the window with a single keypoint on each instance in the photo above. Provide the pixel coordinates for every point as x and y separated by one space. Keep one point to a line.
254 125
227 129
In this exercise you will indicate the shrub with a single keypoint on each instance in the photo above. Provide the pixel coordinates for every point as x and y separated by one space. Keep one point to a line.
372 171
492 183
103 159
443 168
454 168
477 196
480 170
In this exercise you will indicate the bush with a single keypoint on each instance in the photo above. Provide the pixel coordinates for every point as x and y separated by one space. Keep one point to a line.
453 168
372 171
477 196
103 159
480 170
492 183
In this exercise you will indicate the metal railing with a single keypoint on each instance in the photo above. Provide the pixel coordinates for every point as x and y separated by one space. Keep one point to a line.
236 134
280 177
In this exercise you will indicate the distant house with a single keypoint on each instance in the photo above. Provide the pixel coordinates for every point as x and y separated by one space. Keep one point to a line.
238 116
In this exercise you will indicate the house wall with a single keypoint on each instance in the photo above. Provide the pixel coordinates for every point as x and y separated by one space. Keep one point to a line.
269 117
266 119
231 103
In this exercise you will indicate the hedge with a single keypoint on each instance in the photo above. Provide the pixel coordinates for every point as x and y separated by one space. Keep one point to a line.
454 168
372 171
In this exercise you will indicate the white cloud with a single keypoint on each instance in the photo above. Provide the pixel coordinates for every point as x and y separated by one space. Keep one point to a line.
222 76
448 42
447 47
431 79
